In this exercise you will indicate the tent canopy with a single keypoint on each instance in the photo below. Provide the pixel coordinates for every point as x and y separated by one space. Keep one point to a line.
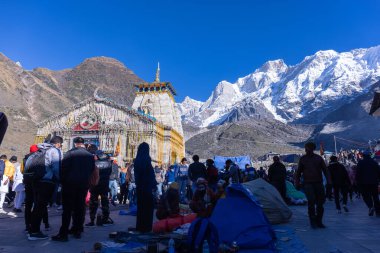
241 161
272 203
246 225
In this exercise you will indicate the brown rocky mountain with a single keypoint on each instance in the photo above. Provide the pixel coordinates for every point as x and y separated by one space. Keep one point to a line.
254 138
28 97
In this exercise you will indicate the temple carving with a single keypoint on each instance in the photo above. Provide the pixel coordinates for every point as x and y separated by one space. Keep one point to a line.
118 130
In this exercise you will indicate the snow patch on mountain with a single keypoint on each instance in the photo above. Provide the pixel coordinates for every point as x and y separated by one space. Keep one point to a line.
319 83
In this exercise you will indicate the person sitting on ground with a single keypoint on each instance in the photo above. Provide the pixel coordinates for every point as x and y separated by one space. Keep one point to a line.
277 176
204 199
221 189
168 206
340 182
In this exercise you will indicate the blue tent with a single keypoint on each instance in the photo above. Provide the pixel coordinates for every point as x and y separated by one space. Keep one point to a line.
241 161
247 225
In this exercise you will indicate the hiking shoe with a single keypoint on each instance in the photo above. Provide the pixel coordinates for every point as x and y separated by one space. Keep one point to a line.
60 238
37 236
90 224
108 222
345 209
17 210
371 211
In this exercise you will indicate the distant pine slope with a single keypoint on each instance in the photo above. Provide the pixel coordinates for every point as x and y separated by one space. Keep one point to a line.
28 97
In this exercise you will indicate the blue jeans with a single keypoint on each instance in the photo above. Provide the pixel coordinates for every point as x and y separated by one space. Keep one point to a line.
132 194
113 189
182 183
159 190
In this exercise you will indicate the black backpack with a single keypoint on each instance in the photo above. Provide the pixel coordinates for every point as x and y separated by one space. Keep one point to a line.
35 166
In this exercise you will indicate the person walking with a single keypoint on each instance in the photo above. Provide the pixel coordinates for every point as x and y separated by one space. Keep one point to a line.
43 189
196 170
104 165
18 186
367 178
77 167
340 182
145 186
277 176
311 166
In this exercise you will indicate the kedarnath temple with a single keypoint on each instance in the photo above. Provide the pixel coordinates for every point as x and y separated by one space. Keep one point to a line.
118 130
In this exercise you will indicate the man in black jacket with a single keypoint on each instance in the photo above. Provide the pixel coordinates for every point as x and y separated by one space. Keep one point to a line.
277 176
77 166
340 182
367 178
310 167
196 170
104 164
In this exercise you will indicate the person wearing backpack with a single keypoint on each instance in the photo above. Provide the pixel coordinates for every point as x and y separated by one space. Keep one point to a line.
104 164
45 166
78 166
29 194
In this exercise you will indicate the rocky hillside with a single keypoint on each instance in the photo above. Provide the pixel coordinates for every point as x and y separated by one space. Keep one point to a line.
28 97
255 138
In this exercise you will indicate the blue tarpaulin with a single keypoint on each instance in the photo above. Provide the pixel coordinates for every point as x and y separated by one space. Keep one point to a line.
241 161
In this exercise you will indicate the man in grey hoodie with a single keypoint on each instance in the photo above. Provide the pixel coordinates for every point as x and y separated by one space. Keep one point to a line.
44 188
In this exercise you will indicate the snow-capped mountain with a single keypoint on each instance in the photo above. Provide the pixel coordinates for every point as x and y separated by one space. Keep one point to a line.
304 92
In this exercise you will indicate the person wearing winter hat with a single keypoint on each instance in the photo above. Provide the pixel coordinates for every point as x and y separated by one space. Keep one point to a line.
29 195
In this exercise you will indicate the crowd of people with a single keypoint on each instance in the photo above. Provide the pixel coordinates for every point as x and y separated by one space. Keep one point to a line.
46 177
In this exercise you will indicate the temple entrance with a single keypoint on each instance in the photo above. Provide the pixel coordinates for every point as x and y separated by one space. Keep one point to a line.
88 139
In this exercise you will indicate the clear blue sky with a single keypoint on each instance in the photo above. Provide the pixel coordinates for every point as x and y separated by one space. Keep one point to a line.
198 42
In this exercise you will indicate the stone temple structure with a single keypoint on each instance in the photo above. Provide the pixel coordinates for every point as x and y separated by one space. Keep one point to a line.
118 129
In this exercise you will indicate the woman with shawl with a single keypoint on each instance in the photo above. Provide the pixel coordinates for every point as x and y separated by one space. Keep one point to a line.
145 186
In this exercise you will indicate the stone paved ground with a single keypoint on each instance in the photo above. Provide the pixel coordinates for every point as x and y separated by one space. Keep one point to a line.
354 232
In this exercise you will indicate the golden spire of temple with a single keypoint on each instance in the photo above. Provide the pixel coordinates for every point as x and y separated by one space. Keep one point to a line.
157 74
